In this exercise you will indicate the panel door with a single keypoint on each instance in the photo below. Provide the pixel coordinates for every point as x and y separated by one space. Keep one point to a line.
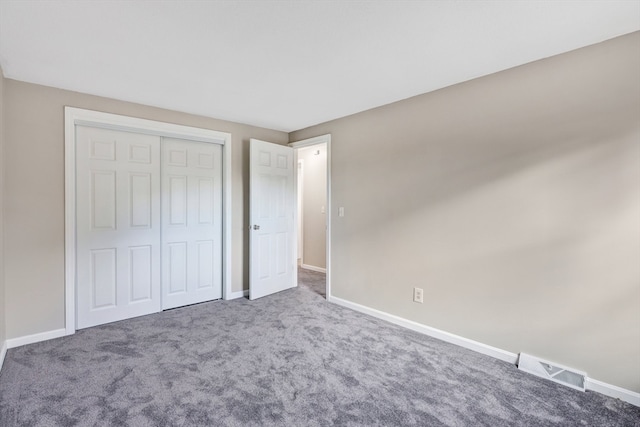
191 222
272 213
118 225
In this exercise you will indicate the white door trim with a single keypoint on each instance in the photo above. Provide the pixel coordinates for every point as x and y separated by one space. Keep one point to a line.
78 116
306 143
299 217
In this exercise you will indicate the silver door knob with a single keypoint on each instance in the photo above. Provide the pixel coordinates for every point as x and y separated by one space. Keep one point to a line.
256 227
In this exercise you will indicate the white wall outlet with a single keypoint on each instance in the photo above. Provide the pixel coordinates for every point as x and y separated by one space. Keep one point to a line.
418 295
341 211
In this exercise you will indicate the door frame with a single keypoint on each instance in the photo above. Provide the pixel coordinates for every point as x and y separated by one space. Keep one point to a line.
300 207
77 116
307 143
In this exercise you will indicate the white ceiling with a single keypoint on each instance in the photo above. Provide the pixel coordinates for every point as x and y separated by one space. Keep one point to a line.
287 65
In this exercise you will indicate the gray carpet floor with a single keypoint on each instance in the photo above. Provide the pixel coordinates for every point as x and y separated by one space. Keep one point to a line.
316 282
290 359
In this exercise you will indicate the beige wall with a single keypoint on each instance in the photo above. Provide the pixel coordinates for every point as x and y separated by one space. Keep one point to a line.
513 200
34 196
313 200
2 302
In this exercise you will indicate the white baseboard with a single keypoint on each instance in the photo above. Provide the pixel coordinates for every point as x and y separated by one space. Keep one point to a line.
313 268
432 332
590 384
30 339
613 391
238 294
3 353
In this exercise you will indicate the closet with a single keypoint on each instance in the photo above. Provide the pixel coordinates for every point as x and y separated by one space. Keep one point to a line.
148 221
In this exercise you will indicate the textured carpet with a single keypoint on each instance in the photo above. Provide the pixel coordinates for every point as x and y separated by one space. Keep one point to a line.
313 280
291 359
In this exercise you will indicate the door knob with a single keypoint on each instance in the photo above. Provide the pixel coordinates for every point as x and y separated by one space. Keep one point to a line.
256 227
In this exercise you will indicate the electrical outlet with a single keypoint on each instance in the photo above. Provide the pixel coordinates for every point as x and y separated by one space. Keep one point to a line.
418 295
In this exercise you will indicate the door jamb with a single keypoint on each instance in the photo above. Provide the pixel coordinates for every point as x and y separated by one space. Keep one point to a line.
300 201
306 143
78 116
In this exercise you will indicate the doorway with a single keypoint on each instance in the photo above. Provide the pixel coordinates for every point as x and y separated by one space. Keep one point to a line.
314 213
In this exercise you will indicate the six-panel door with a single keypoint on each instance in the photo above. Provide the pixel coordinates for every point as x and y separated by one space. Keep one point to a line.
118 225
191 222
272 207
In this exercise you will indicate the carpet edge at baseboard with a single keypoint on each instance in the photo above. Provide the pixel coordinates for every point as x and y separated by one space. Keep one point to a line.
39 337
3 353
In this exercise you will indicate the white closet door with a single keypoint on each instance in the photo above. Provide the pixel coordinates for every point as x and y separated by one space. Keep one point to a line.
118 225
191 222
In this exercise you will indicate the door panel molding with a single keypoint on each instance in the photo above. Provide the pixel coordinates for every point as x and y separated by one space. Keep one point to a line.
81 117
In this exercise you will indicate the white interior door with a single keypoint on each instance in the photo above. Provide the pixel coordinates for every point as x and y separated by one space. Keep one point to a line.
272 213
191 222
118 225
